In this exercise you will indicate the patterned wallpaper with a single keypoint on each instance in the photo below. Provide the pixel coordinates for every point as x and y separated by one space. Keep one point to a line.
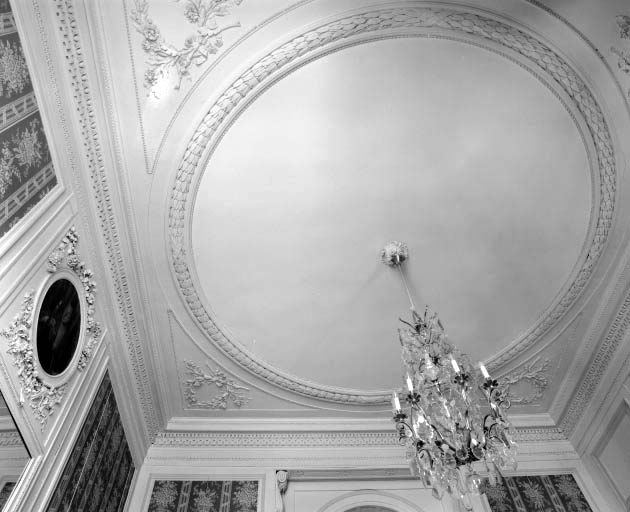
551 493
99 470
26 172
204 496
5 492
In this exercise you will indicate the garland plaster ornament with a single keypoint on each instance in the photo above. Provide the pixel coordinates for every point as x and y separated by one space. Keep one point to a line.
206 39
42 396
534 374
623 55
229 390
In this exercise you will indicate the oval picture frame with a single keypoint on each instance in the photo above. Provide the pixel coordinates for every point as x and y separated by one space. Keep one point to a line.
59 327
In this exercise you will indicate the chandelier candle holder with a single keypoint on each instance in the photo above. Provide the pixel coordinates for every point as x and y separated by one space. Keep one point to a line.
438 414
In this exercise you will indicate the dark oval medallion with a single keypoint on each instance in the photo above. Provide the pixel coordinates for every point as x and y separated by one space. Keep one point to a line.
58 326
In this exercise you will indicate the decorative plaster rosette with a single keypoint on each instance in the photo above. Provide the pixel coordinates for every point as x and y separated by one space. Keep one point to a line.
43 396
450 22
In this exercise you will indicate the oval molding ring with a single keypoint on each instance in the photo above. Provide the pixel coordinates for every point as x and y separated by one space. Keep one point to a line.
457 24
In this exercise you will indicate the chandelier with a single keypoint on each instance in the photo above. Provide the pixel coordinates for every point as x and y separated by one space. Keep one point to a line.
438 414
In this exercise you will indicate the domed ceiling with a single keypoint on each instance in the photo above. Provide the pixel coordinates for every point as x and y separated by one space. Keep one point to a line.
456 150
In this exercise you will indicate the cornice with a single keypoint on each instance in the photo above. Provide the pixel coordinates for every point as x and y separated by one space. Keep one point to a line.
346 439
84 103
512 42
607 349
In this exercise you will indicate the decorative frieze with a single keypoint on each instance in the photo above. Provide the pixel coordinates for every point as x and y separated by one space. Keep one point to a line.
348 439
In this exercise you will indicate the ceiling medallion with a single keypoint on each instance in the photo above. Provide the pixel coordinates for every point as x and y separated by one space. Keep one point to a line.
441 421
535 55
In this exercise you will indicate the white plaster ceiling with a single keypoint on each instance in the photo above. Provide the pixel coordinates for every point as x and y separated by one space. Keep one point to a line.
455 150
468 149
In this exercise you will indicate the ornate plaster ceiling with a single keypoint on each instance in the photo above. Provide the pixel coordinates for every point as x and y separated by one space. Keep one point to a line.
454 149
262 188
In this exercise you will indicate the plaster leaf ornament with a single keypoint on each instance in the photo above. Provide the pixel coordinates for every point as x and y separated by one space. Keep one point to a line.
207 38
535 374
228 389
42 397
623 60
67 252
623 57
623 22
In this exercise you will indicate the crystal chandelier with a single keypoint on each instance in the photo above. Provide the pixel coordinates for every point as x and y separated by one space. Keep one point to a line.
438 415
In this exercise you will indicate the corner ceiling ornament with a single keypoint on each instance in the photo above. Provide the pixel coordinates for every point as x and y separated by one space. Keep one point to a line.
206 40
623 55
546 65
441 422
534 374
42 396
229 391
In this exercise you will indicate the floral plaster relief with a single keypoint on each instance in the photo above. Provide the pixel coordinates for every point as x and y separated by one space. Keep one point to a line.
44 396
228 390
623 53
527 385
165 59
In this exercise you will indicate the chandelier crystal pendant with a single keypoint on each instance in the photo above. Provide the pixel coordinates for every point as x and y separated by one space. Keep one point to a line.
438 413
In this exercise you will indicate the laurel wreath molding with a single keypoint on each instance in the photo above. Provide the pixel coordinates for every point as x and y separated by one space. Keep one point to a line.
450 20
44 396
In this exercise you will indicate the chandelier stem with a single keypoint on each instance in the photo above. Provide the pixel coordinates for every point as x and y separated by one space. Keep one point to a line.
404 280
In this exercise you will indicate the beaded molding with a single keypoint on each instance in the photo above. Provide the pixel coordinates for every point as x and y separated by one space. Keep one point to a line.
94 160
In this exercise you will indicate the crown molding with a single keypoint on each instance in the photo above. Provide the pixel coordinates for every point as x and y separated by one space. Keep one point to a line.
85 104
